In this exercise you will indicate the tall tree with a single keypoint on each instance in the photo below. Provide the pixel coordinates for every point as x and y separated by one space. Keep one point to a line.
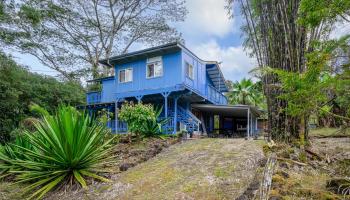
71 36
280 35
19 88
277 40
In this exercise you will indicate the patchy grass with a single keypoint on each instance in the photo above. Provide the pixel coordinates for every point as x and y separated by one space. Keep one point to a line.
329 132
197 169
10 191
200 169
293 181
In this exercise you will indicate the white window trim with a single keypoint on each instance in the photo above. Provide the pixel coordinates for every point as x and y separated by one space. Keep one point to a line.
186 70
132 75
152 61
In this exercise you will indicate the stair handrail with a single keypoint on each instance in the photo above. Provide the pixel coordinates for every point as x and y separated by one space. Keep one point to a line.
189 113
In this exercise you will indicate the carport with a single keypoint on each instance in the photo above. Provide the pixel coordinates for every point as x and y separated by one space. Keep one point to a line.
228 120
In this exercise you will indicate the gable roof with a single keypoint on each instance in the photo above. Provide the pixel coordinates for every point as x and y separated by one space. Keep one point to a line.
212 67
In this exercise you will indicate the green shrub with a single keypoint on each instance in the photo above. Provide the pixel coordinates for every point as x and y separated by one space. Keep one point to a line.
143 119
65 146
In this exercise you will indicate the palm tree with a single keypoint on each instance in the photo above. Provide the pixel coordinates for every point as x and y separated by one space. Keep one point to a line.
245 92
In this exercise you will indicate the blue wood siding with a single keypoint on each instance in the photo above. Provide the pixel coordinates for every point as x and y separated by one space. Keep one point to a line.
174 78
201 83
108 91
171 75
199 80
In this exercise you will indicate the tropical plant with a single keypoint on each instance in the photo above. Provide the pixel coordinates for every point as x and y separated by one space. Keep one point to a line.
153 127
66 146
136 115
245 92
13 152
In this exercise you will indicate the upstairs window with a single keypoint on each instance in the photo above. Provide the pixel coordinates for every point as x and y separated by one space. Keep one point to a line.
154 67
189 71
125 75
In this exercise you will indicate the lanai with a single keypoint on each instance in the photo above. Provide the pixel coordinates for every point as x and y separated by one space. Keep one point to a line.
230 120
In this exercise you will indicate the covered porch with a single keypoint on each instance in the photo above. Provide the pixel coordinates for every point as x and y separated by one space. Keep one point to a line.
228 120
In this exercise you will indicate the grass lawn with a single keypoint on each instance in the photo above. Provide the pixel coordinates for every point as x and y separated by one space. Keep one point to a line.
328 132
196 169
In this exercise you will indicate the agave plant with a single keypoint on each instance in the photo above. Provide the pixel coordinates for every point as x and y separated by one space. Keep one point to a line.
66 146
9 153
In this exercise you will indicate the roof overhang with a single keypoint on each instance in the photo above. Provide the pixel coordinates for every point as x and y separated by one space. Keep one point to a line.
228 110
101 79
142 54
216 76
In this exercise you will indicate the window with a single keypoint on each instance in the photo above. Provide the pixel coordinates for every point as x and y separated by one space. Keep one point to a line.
154 67
125 75
189 71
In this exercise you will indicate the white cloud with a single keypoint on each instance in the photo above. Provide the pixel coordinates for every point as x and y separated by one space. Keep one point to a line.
340 29
207 17
235 62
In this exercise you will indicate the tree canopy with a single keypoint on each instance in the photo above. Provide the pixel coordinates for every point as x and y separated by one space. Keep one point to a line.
20 88
246 92
72 36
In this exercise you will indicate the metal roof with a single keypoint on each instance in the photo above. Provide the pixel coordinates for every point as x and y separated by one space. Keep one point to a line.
216 76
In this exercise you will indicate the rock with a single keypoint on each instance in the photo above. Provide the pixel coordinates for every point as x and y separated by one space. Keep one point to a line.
275 198
283 174
125 166
284 165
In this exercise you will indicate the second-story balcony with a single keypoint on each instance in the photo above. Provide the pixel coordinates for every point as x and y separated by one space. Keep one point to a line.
215 96
93 97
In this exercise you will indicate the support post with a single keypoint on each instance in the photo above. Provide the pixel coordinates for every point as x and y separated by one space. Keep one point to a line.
175 113
165 95
139 98
248 123
211 123
251 125
108 121
116 115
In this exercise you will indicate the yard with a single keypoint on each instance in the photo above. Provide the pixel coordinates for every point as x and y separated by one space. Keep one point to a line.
195 169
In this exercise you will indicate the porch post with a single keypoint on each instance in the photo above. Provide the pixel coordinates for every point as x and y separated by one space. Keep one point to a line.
165 95
116 115
256 123
108 121
248 123
251 126
139 98
175 113
211 123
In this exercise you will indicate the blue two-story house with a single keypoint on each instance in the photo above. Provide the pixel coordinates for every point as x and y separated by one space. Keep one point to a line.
189 88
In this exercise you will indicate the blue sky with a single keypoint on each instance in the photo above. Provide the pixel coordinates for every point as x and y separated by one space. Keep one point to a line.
210 34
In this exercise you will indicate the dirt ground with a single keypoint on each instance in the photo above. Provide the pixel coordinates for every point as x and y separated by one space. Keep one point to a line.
196 169
312 180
